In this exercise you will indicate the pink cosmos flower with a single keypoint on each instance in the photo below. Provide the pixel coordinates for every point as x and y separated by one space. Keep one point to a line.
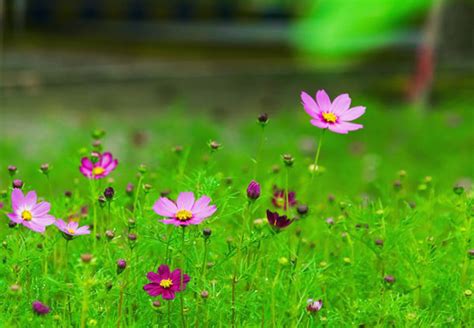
28 213
185 211
104 165
166 283
336 115
71 229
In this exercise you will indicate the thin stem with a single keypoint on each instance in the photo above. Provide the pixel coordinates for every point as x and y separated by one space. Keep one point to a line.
259 152
316 158
183 320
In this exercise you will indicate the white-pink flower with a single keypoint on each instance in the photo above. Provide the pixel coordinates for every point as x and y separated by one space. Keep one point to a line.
186 210
336 115
28 213
72 228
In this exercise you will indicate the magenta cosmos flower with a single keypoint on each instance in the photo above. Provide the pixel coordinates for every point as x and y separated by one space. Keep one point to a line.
278 221
40 308
104 165
72 229
166 283
185 211
28 213
336 115
279 198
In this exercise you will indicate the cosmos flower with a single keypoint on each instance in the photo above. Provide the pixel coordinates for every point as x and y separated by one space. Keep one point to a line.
39 308
101 168
28 213
185 211
253 190
279 198
314 306
277 221
71 229
166 283
336 115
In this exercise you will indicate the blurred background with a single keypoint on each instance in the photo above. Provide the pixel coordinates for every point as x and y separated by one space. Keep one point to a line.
79 64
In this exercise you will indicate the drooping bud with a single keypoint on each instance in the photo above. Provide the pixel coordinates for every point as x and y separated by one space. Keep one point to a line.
121 265
109 193
263 119
17 183
206 233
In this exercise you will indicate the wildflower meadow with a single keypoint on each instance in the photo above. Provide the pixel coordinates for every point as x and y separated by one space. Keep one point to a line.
338 211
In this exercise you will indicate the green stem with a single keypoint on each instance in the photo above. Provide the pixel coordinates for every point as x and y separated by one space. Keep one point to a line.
183 320
316 158
259 152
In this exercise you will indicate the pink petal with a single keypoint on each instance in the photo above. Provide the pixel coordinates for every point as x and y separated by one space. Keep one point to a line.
105 159
350 126
167 294
165 207
15 218
206 212
323 100
336 128
341 104
164 271
44 220
153 289
34 226
109 168
309 104
352 113
60 224
154 277
320 124
40 209
185 201
83 230
17 199
73 225
175 222
30 199
86 162
201 203
85 171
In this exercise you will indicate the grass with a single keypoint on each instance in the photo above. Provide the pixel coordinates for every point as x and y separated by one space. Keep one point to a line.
253 275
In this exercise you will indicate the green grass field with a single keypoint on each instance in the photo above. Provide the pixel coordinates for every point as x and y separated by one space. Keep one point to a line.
391 181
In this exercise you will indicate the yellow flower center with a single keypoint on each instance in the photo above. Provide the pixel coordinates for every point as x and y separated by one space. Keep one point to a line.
26 215
329 117
166 283
280 201
98 170
71 231
184 215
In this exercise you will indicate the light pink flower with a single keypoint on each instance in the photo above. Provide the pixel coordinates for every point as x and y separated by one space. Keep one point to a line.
336 115
103 167
28 213
72 228
185 211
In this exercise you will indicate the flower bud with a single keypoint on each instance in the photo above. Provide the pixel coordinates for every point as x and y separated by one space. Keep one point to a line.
44 168
458 189
253 190
129 189
12 170
109 234
98 134
102 200
206 232
86 258
214 145
314 306
288 160
302 209
263 119
68 194
204 294
156 304
177 149
389 279
17 183
132 237
109 193
40 308
379 242
121 265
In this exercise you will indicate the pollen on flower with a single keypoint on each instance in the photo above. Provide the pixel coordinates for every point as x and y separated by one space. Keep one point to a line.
71 231
98 170
184 215
26 215
329 117
166 283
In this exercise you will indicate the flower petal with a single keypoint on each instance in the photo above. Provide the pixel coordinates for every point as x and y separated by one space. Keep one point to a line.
165 207
40 209
185 200
164 271
352 113
323 100
15 218
44 220
17 198
30 199
86 162
167 294
320 124
153 289
309 104
206 212
350 126
201 204
105 159
34 226
341 104
336 128
153 277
